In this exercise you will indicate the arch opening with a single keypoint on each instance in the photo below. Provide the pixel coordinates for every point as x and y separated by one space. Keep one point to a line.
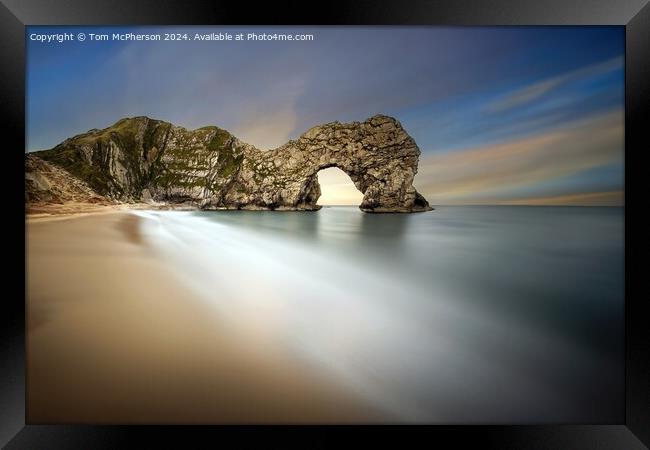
337 188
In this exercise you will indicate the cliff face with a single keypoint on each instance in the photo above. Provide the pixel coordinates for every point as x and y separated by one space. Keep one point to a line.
46 183
140 159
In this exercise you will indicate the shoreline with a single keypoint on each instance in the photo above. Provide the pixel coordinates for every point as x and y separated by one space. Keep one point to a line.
58 214
114 334
56 211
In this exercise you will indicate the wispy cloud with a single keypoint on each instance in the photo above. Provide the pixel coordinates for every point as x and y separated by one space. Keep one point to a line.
271 126
496 173
534 91
267 132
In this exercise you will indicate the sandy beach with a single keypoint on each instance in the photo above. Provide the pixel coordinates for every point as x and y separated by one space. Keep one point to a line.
114 337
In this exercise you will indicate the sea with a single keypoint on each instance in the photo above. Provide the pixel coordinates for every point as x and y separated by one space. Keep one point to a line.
464 314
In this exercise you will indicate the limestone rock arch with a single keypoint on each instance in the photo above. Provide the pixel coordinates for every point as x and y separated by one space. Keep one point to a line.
378 155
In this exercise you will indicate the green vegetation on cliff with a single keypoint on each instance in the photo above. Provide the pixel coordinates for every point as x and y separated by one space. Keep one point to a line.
138 158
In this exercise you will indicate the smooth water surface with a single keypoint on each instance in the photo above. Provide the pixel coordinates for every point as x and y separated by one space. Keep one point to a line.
460 315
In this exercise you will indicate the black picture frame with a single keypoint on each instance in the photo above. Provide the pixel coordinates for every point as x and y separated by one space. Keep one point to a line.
633 433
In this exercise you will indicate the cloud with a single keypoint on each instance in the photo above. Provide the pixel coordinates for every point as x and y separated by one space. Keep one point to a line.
537 90
496 173
524 95
267 132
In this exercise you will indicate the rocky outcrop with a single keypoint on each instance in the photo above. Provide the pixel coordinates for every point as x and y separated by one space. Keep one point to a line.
46 183
143 159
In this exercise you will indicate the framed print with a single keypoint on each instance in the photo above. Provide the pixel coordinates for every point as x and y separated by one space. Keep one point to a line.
386 214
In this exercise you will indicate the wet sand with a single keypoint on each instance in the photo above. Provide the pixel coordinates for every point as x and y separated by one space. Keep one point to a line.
114 337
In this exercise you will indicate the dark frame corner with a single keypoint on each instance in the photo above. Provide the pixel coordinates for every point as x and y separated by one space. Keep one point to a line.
634 433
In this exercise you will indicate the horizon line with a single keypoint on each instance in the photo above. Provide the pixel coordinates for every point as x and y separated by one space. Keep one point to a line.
506 204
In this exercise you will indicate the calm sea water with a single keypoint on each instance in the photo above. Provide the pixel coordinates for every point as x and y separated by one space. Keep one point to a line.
460 315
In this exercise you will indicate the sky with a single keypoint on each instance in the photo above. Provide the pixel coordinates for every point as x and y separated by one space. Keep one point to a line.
502 115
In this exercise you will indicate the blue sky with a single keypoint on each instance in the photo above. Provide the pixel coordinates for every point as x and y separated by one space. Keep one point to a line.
530 115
